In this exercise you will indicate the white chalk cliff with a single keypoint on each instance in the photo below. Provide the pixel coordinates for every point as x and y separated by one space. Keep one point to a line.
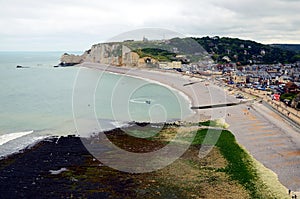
116 54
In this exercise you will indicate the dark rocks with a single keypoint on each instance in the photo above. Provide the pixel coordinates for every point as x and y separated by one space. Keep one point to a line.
27 175
19 66
77 174
64 64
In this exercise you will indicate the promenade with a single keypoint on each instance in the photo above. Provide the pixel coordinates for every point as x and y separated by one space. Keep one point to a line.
281 107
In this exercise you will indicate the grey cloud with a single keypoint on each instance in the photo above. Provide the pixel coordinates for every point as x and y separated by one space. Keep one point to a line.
77 24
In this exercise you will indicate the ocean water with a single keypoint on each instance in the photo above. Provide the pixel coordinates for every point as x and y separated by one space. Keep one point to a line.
42 101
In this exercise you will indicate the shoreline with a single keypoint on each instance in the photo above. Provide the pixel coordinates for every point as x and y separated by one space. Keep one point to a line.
195 94
242 122
63 168
175 81
113 70
184 95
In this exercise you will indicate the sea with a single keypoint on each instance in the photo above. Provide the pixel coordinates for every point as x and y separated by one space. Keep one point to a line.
39 101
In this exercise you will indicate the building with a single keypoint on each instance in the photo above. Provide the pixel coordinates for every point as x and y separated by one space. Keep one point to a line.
291 87
239 77
284 79
170 65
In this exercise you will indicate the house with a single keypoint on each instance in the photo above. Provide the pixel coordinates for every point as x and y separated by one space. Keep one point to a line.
291 87
176 64
170 65
253 78
274 77
239 77
284 79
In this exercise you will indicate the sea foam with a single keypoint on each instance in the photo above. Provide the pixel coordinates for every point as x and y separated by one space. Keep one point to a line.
11 136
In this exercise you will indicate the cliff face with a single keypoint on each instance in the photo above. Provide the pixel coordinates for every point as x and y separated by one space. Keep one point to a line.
71 59
116 54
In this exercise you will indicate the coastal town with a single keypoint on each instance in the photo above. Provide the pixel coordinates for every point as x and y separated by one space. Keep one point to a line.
151 99
248 98
279 81
269 70
277 85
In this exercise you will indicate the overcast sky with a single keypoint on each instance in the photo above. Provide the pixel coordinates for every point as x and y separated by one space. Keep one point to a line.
77 24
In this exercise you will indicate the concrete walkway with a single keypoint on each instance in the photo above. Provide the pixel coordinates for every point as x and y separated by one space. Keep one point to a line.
292 113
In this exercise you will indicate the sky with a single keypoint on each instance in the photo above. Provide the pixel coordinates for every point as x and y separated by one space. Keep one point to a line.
68 25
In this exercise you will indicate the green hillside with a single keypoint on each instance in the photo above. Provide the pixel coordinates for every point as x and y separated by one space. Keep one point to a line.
167 50
221 50
291 47
246 51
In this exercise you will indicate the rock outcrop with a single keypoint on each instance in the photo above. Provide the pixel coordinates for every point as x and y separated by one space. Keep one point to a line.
69 59
116 54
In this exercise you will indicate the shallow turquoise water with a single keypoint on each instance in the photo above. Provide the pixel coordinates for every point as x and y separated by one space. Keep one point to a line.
44 99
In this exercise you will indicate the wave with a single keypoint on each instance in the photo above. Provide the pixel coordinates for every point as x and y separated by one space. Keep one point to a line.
119 124
17 145
11 136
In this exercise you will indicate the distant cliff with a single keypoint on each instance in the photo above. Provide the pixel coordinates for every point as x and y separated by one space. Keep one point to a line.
117 54
142 53
185 50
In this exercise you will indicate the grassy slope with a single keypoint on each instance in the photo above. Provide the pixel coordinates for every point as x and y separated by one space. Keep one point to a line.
259 181
228 171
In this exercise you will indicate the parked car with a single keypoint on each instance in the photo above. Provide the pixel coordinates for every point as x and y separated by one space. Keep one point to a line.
249 85
239 96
